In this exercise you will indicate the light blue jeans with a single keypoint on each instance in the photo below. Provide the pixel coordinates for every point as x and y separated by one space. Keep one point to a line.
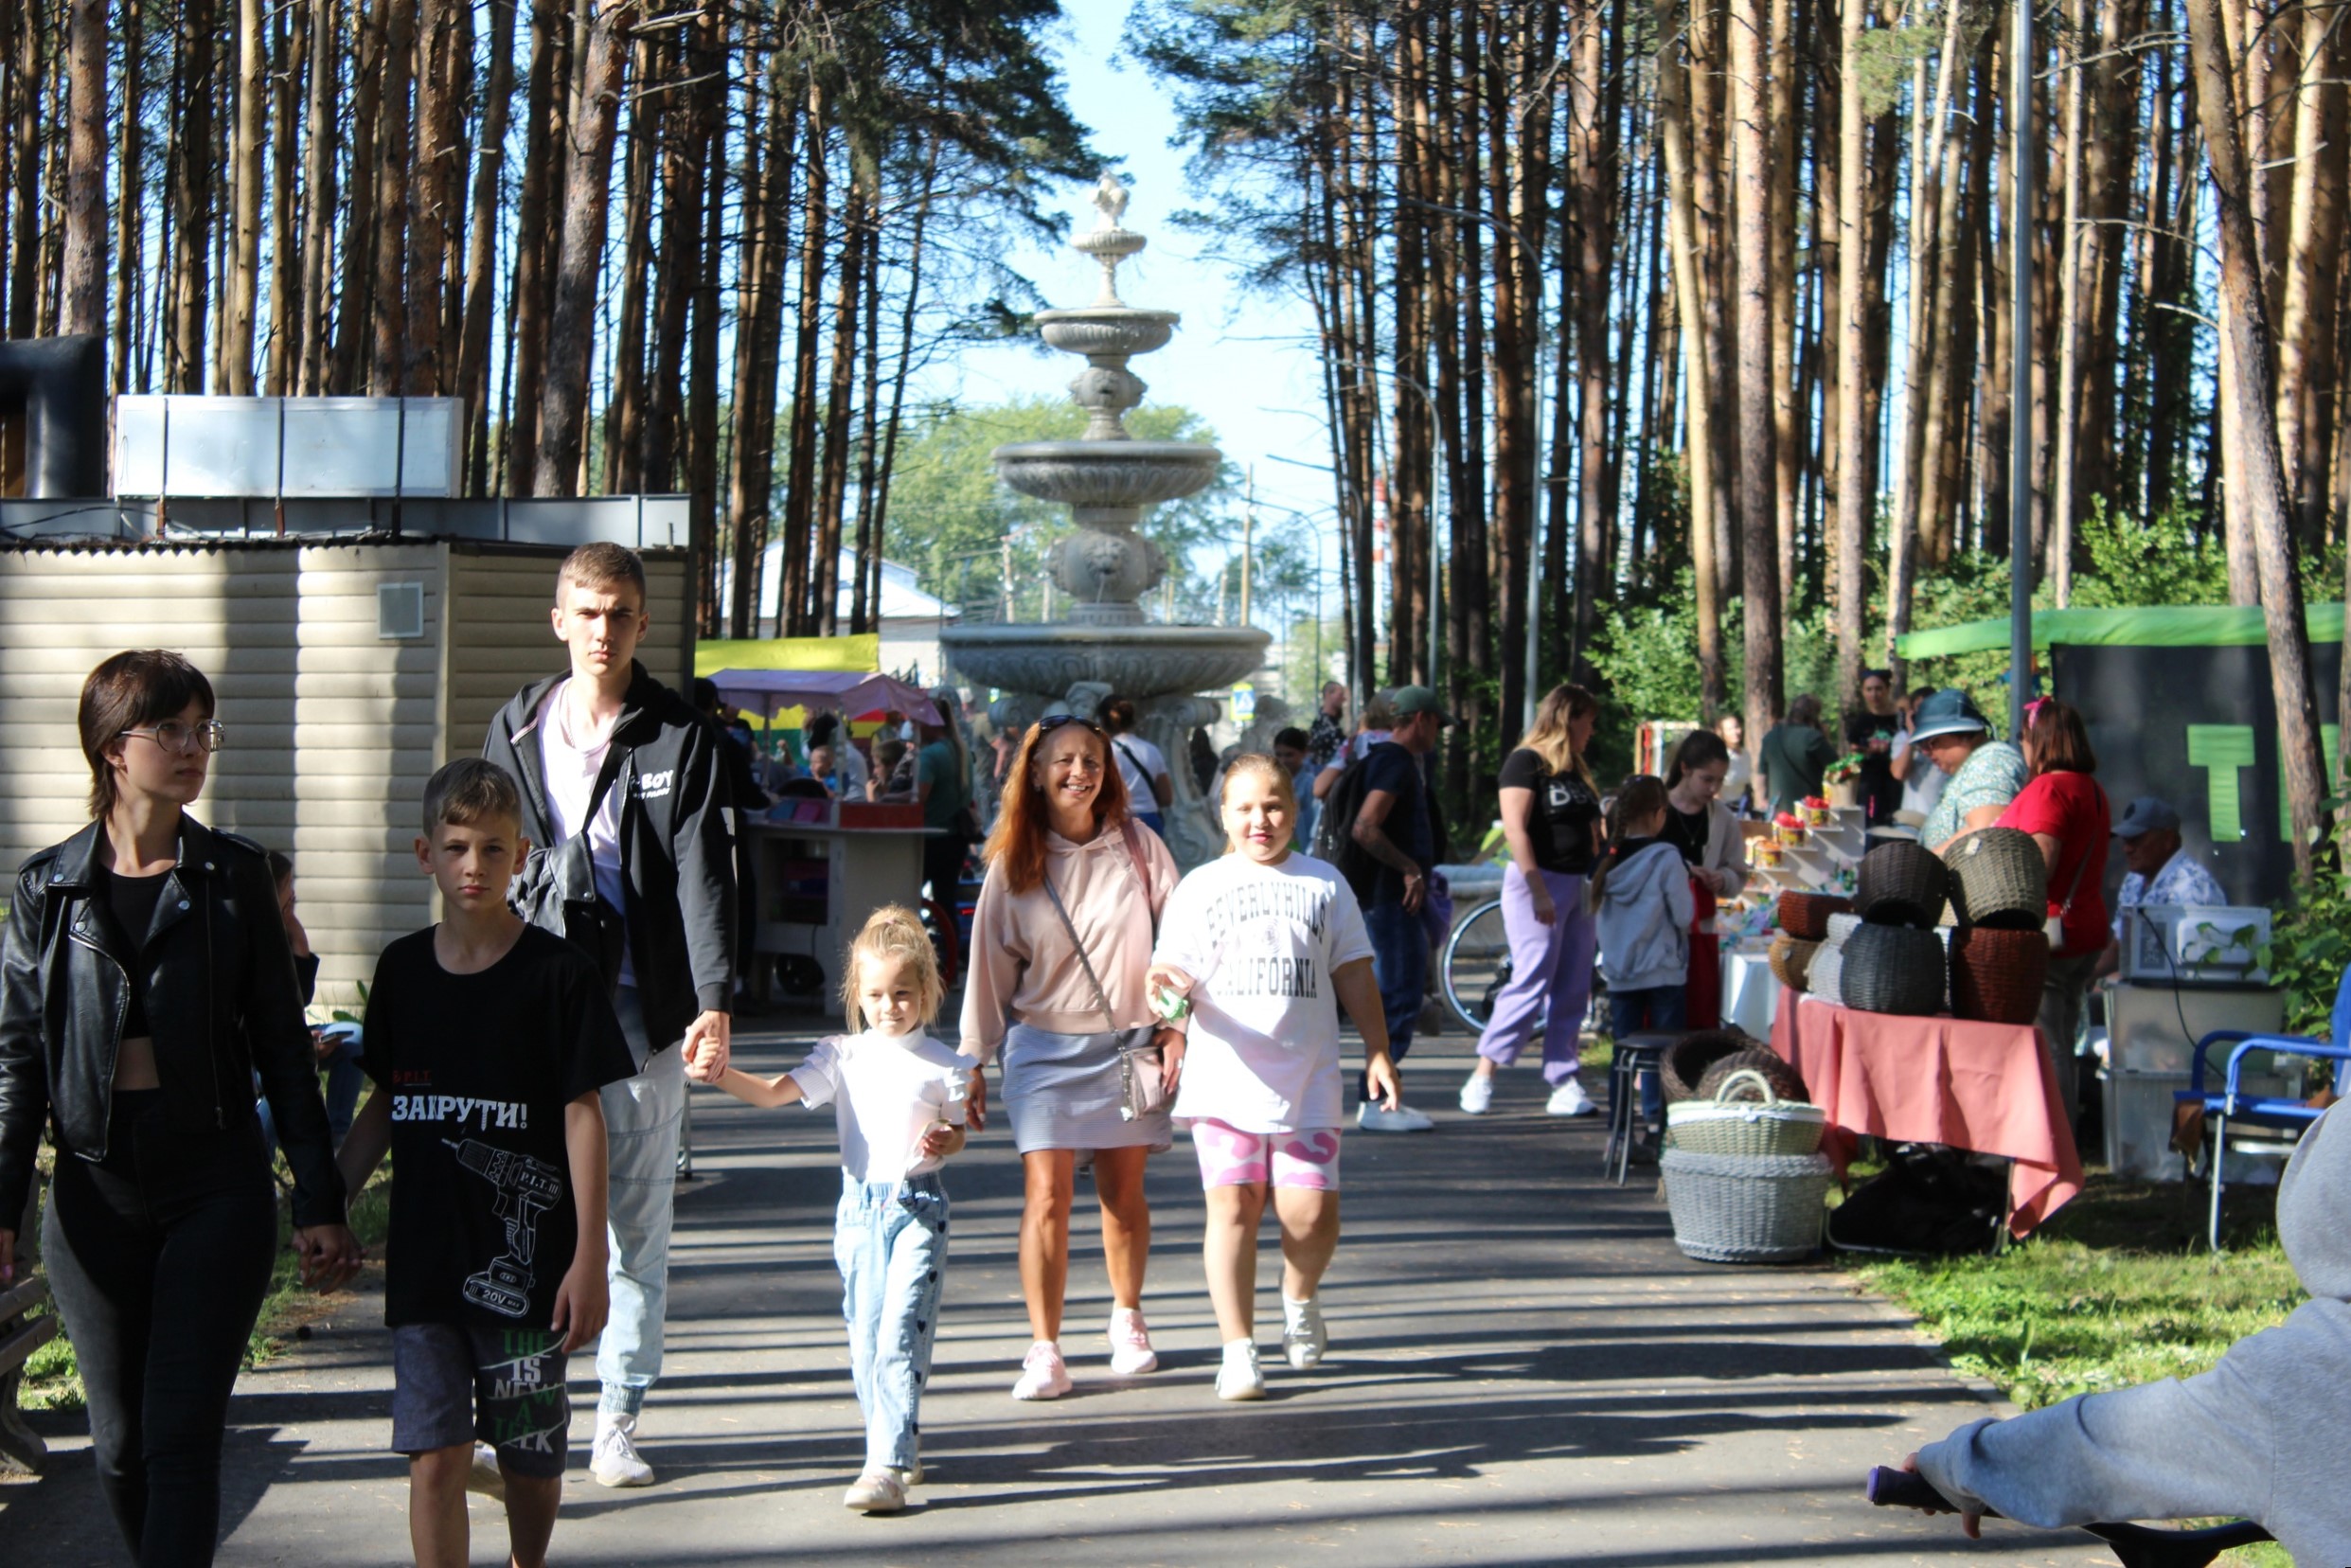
890 1239
641 1116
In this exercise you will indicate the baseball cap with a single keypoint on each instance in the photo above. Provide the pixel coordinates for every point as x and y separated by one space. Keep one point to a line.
1418 699
1950 711
2147 815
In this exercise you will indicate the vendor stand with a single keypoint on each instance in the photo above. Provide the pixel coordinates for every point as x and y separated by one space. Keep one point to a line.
1988 1088
822 866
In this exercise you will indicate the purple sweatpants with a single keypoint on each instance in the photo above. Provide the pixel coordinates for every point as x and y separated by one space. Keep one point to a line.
1550 974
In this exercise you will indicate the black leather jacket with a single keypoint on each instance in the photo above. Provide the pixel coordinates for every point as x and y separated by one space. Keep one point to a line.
221 1000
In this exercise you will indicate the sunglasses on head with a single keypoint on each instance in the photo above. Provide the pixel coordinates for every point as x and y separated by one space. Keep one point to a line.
1046 727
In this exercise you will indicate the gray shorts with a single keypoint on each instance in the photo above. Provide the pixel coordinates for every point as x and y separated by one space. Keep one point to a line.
453 1384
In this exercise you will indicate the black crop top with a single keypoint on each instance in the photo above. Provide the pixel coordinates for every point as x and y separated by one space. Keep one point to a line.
132 901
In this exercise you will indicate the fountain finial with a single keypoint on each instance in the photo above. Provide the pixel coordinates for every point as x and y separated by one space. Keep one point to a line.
1108 242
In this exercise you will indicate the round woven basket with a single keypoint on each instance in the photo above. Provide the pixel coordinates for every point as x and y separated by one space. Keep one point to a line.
1842 926
1751 1127
1826 978
1892 969
1732 1209
1765 1062
1805 916
1791 958
1998 878
1902 885
1997 975
1686 1060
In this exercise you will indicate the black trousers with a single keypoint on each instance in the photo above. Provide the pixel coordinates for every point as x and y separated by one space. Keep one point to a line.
159 1257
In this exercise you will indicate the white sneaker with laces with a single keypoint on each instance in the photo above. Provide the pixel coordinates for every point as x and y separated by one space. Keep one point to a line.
1130 1344
1238 1378
1568 1099
1043 1374
1374 1117
877 1492
1477 1094
615 1461
487 1478
1304 1337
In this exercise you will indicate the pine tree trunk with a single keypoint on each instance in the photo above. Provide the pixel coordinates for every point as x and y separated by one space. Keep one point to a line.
702 372
481 264
434 185
85 171
904 362
1757 468
387 367
800 482
1673 108
285 253
245 277
191 197
625 391
824 610
760 350
2258 484
587 186
1856 497
354 302
545 120
130 210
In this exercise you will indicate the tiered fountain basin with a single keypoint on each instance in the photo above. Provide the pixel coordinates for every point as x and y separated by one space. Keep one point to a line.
1134 661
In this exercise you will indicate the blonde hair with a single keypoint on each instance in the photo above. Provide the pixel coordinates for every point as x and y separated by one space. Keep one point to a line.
1548 738
894 932
1273 773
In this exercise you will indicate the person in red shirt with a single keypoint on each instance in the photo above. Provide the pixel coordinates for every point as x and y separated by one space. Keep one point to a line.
2067 813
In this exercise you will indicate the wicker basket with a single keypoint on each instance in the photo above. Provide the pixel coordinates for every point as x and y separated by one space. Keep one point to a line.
1998 878
1790 959
1997 975
1902 885
1891 968
1729 1209
1686 1060
1764 1062
1805 916
1752 1128
1842 926
1826 978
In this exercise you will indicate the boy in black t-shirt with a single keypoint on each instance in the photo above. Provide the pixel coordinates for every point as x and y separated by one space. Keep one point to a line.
488 1039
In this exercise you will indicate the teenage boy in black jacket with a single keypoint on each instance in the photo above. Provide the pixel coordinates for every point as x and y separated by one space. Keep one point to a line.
623 786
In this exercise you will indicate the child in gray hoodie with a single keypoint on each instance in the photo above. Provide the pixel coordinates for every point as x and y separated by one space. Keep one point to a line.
2260 1436
1640 892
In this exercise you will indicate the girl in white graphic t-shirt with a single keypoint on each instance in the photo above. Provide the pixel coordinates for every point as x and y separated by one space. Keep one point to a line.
897 1100
1263 946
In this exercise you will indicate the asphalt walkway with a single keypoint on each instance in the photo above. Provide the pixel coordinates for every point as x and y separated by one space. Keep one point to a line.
1523 1370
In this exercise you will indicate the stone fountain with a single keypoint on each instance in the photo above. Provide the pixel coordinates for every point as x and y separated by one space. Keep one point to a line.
1110 481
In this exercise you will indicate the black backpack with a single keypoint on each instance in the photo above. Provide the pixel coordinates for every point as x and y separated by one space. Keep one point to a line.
1334 828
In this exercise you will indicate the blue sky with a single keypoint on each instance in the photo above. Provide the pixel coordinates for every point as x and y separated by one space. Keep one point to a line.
1242 361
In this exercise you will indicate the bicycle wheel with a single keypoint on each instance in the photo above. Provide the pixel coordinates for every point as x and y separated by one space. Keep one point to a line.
1476 963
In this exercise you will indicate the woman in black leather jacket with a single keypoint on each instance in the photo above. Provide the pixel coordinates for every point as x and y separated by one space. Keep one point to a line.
147 977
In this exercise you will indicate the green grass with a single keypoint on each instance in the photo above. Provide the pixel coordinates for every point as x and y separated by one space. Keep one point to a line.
53 1382
2115 1291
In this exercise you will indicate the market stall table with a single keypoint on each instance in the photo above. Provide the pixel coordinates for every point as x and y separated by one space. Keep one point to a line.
1988 1088
819 881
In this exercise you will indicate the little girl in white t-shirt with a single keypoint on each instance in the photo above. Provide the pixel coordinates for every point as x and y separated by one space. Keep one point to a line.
897 1100
1263 945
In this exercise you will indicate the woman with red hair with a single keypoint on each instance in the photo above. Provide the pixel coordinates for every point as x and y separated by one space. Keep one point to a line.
2066 811
1060 944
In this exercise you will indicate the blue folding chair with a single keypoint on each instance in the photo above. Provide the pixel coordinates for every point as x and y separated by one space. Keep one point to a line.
2231 1103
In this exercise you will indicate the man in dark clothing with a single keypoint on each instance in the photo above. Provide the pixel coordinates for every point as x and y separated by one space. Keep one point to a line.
1794 755
1331 728
1400 826
624 792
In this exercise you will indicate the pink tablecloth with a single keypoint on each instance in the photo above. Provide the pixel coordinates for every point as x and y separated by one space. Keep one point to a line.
1985 1087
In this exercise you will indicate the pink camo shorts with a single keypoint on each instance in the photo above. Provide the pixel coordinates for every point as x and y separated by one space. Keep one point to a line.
1230 1157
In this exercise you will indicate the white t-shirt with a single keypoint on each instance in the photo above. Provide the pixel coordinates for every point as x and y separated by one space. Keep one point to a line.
1261 942
1355 748
1139 763
884 1092
571 769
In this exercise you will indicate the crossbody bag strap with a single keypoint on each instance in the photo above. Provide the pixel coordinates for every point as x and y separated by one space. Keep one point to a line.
1100 996
1142 872
2075 887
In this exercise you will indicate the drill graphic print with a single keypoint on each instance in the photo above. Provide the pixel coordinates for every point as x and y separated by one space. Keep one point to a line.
526 1188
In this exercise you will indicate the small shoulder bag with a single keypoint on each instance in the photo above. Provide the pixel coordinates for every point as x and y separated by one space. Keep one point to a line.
1142 1069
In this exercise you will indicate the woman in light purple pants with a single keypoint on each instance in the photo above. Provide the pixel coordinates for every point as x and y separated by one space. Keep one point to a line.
1551 819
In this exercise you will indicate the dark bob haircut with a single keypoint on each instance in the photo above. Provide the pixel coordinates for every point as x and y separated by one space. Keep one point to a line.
134 688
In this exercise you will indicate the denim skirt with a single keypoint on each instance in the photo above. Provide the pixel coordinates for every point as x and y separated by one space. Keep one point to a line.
1063 1091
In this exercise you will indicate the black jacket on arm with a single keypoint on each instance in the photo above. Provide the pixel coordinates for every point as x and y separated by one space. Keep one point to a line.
222 1004
677 844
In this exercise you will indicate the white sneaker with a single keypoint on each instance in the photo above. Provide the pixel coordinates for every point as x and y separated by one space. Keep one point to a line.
1377 1118
1043 1374
1130 1344
1303 1334
1568 1099
1477 1094
1238 1378
615 1461
487 1478
877 1492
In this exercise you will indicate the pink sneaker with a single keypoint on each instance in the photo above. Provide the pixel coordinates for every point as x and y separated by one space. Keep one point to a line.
1130 1344
1043 1375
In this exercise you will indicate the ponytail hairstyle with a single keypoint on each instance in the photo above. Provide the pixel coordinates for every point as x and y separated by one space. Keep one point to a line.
1640 797
893 933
